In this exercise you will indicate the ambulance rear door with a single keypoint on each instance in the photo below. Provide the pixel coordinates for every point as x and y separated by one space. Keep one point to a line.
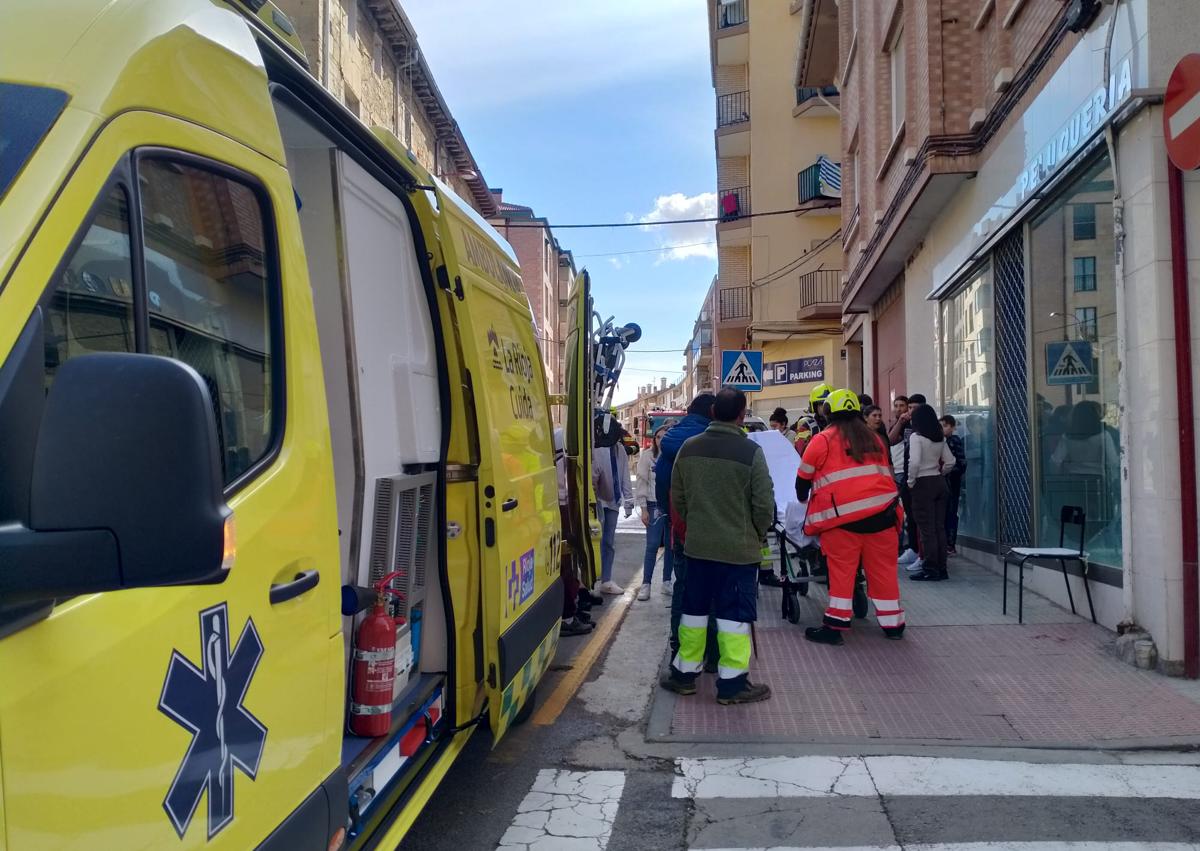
518 485
582 529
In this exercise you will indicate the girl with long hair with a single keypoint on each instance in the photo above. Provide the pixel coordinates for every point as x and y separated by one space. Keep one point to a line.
929 460
854 506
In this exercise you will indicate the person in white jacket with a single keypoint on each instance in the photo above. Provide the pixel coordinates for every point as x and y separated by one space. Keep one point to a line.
929 460
614 491
654 517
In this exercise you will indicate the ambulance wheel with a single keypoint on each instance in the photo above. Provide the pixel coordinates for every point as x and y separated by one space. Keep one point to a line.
526 711
631 333
860 602
805 573
792 604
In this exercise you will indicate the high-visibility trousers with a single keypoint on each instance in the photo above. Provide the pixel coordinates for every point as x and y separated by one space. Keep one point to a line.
730 591
876 552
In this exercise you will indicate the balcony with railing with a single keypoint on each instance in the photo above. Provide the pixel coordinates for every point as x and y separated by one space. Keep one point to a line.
733 211
733 124
817 102
821 295
819 185
733 304
733 108
732 13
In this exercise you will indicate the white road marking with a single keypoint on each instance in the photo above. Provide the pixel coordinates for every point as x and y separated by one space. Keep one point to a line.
990 846
833 777
1185 116
566 811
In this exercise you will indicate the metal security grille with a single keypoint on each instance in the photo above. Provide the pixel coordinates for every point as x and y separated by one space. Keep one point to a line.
1015 479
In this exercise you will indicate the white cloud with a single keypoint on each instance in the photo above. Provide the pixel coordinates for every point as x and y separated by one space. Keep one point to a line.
616 262
485 52
695 239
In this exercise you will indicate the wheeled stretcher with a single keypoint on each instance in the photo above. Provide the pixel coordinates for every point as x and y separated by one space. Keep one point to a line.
801 563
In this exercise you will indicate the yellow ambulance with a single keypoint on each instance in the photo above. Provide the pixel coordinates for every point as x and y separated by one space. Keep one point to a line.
253 360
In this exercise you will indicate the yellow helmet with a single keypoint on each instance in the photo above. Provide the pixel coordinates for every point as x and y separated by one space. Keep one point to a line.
843 400
818 394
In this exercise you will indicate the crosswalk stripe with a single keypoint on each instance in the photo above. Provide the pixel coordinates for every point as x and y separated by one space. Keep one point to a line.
566 811
827 777
988 846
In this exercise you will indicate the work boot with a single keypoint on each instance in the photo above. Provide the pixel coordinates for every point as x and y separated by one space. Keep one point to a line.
583 616
590 598
750 693
683 687
574 627
895 633
768 578
824 635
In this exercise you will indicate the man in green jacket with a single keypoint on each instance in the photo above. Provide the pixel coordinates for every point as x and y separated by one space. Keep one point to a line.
722 493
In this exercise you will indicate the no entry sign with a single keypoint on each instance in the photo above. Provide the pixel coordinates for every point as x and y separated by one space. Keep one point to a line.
1181 113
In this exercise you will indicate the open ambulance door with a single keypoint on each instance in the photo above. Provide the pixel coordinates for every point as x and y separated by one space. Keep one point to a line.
583 532
516 495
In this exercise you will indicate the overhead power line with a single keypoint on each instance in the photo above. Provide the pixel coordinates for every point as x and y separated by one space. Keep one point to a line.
649 250
789 212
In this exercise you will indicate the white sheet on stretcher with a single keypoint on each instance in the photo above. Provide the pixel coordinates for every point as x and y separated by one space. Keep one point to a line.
783 462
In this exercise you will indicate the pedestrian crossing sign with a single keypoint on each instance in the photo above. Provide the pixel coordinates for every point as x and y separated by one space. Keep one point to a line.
742 369
1069 362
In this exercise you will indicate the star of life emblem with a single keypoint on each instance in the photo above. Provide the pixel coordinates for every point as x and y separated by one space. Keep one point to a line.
207 701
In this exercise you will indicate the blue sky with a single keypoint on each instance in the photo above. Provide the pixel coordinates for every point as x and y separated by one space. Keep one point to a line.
595 112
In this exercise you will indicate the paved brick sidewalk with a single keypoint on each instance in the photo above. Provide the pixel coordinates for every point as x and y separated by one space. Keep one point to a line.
964 674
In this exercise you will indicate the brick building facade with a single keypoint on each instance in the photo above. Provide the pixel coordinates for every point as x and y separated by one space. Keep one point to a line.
547 272
366 53
1007 247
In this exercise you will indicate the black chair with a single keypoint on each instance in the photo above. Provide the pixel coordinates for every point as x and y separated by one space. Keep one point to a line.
1072 515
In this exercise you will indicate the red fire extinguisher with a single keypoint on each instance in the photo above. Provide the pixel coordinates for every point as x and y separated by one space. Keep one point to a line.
374 671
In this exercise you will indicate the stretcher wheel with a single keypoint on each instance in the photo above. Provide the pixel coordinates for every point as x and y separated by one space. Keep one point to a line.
791 604
860 602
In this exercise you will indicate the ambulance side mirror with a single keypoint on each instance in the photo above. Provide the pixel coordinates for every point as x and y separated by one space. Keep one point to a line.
126 488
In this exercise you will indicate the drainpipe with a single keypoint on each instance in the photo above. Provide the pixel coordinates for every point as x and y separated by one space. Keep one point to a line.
1187 446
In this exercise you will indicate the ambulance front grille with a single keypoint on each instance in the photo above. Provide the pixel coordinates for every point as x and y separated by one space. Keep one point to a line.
402 536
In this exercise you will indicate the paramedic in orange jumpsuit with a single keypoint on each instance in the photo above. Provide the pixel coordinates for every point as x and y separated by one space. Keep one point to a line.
854 506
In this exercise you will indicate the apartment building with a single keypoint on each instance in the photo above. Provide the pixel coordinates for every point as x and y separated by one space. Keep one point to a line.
699 370
777 144
547 272
651 397
1007 247
366 53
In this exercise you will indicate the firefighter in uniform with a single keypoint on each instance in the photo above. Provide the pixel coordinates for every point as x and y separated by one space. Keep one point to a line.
811 423
854 506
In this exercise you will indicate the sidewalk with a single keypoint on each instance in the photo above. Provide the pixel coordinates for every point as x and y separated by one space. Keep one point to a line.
964 674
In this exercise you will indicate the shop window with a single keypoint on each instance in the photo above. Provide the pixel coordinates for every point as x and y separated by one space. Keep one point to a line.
1085 273
970 396
1084 221
1075 423
91 307
209 299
